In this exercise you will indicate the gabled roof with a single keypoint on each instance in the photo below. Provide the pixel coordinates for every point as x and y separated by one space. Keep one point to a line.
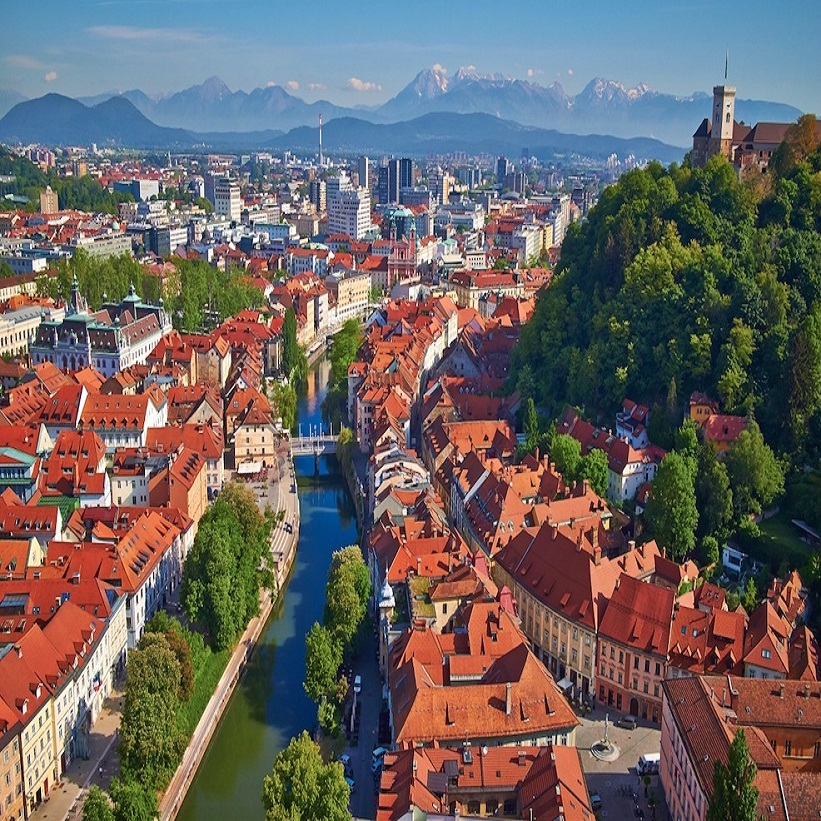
638 616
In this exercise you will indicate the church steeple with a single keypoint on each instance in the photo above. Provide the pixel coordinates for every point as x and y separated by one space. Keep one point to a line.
76 305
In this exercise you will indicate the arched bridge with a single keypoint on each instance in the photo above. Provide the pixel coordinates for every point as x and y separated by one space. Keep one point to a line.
313 441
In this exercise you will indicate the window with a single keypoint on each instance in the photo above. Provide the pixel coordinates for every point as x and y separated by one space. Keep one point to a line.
575 634
816 752
444 607
587 640
620 678
635 662
788 747
491 806
510 806
574 656
655 690
587 662
647 665
612 652
635 684
658 669
765 653
473 808
621 657
646 687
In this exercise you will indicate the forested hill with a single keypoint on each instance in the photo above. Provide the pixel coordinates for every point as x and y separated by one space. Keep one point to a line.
691 279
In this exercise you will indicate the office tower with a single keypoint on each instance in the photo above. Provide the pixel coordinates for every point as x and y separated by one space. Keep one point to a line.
363 166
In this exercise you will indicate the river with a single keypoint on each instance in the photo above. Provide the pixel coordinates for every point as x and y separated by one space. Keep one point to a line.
270 706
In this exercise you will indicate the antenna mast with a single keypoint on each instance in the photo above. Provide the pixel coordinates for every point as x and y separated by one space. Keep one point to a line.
320 141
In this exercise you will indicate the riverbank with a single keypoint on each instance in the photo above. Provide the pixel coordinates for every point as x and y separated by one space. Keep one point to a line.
284 540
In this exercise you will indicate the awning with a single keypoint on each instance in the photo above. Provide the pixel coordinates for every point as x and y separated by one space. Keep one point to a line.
565 684
247 468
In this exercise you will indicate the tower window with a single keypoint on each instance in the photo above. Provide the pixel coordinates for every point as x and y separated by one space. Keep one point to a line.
728 117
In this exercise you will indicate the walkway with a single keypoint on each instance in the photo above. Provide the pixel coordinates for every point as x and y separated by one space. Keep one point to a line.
66 798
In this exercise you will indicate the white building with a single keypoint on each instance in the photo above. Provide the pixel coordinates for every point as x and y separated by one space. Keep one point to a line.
227 200
349 211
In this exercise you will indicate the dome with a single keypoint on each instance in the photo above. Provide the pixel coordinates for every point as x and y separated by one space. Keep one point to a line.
386 599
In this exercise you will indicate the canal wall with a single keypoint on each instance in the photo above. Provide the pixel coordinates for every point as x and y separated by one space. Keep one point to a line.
286 542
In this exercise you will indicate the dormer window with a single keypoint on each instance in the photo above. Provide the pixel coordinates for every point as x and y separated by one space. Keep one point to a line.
765 654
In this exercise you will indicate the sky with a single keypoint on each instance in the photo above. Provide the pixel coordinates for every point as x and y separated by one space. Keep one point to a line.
361 52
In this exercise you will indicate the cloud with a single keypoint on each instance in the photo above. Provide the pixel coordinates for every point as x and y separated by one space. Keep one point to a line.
440 68
143 34
293 85
356 84
530 72
317 86
51 76
270 83
23 61
570 71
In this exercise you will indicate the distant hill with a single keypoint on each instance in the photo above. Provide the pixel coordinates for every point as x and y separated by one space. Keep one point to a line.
60 120
9 99
473 133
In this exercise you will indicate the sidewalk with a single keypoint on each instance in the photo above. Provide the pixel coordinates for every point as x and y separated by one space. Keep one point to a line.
66 798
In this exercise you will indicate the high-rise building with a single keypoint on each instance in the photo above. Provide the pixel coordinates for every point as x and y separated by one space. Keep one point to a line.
388 189
363 166
405 173
48 201
502 169
349 210
227 200
318 195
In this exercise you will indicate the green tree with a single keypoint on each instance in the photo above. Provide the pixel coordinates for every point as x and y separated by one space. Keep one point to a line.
133 801
714 499
149 744
567 456
323 656
734 797
710 555
303 788
756 475
294 362
531 425
671 512
284 403
228 565
595 469
750 597
97 806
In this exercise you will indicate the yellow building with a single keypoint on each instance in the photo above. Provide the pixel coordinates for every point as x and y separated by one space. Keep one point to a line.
11 770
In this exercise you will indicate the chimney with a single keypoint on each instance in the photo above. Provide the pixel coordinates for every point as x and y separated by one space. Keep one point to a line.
585 487
536 453
631 545
807 690
596 547
781 690
57 602
723 696
579 541
508 700
19 650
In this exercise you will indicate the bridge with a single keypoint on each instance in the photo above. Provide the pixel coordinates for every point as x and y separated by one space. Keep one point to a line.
314 441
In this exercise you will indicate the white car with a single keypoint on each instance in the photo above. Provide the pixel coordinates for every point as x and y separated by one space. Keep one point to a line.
357 684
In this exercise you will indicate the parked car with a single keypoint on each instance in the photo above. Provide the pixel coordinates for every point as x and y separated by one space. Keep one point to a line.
357 685
378 757
351 783
595 801
627 722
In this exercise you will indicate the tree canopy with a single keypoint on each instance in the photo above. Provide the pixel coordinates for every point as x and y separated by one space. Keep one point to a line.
734 797
301 787
228 564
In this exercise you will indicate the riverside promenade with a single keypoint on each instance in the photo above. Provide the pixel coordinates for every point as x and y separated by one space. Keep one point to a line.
278 491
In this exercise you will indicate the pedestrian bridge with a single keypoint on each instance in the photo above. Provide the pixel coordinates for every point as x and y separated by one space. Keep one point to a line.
314 441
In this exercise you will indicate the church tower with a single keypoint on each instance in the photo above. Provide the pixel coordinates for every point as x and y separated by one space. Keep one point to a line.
721 133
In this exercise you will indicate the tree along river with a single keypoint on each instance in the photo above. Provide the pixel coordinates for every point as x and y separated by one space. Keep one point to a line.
269 706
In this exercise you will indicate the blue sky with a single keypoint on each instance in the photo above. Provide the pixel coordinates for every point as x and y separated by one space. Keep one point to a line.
359 52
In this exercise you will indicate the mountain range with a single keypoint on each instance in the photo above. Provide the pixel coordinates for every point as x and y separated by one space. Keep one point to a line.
213 115
55 119
601 107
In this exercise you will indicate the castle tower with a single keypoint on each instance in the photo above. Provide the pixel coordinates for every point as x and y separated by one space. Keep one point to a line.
721 133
